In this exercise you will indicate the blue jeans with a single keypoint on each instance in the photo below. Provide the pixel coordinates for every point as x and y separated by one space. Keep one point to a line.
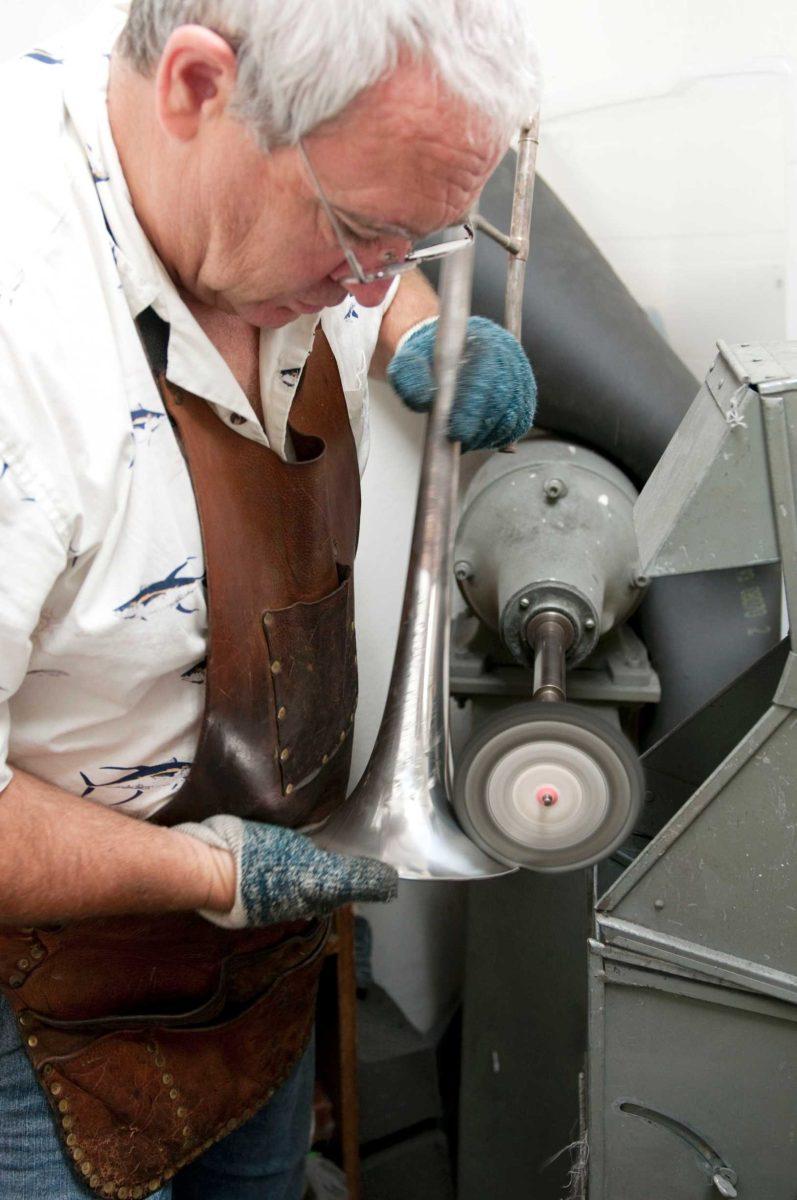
263 1160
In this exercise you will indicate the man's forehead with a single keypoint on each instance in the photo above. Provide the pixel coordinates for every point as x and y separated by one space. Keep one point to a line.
407 187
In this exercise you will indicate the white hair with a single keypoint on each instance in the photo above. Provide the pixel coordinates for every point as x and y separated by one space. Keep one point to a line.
302 62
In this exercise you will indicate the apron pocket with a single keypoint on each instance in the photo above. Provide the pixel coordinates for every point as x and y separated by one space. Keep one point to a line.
313 655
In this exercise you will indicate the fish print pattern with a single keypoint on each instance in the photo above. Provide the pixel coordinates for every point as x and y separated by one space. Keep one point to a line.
145 422
44 56
290 376
162 594
135 781
197 673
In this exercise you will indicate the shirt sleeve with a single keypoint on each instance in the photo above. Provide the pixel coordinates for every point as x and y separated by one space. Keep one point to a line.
32 555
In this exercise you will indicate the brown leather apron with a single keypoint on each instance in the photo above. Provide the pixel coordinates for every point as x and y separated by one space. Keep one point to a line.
155 1036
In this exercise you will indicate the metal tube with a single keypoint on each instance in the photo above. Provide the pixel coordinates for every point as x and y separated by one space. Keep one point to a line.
503 239
521 224
550 635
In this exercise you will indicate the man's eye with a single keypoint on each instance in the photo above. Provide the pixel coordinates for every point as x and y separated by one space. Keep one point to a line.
356 235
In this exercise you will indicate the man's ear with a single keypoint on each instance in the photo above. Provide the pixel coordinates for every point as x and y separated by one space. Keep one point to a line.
195 79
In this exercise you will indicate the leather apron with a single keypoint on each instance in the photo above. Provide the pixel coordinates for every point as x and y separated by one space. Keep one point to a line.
155 1036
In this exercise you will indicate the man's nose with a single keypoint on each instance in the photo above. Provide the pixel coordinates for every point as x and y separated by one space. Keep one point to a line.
372 260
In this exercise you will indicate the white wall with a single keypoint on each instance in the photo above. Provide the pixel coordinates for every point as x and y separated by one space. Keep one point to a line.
670 130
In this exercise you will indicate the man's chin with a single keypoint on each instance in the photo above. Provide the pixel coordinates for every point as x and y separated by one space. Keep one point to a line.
271 314
268 315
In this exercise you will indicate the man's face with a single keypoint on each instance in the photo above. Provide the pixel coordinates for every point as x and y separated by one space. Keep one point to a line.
401 164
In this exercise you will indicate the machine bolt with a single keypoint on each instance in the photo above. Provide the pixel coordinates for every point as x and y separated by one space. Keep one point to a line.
589 623
463 570
658 904
554 489
723 1183
524 602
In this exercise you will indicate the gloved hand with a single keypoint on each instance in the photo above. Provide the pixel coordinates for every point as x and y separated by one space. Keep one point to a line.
282 876
496 392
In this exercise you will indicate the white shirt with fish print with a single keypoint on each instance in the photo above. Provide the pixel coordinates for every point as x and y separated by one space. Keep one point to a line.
103 618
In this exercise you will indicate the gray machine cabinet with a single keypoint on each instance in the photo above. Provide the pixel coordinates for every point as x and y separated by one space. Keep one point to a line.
693 1003
689 1078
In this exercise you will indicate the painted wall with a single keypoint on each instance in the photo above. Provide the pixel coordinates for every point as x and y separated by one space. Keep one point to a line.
670 131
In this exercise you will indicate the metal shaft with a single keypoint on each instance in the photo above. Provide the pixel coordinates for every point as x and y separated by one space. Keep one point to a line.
521 224
550 635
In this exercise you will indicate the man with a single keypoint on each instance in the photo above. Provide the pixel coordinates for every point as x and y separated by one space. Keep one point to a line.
208 210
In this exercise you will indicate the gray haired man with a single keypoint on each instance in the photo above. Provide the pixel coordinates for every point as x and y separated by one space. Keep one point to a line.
208 224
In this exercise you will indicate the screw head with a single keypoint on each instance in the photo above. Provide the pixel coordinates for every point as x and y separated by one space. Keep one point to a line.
524 602
658 905
640 581
589 623
462 570
554 489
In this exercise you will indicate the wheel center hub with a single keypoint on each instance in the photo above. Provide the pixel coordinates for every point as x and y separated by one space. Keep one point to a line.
547 796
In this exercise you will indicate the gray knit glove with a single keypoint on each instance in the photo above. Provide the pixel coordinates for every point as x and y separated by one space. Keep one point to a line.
282 876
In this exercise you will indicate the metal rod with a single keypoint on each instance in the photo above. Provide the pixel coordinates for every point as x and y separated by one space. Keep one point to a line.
520 227
484 226
550 636
519 231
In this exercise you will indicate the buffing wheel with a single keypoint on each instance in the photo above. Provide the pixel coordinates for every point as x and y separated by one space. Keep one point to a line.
548 786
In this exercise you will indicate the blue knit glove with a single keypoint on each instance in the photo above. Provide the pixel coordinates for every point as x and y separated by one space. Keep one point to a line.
496 392
282 876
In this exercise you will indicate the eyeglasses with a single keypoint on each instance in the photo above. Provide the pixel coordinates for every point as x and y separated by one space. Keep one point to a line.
412 260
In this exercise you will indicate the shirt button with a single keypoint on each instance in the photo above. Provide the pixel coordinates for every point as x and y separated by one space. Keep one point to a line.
237 419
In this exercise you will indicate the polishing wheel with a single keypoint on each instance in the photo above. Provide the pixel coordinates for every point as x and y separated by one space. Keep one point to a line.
548 786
